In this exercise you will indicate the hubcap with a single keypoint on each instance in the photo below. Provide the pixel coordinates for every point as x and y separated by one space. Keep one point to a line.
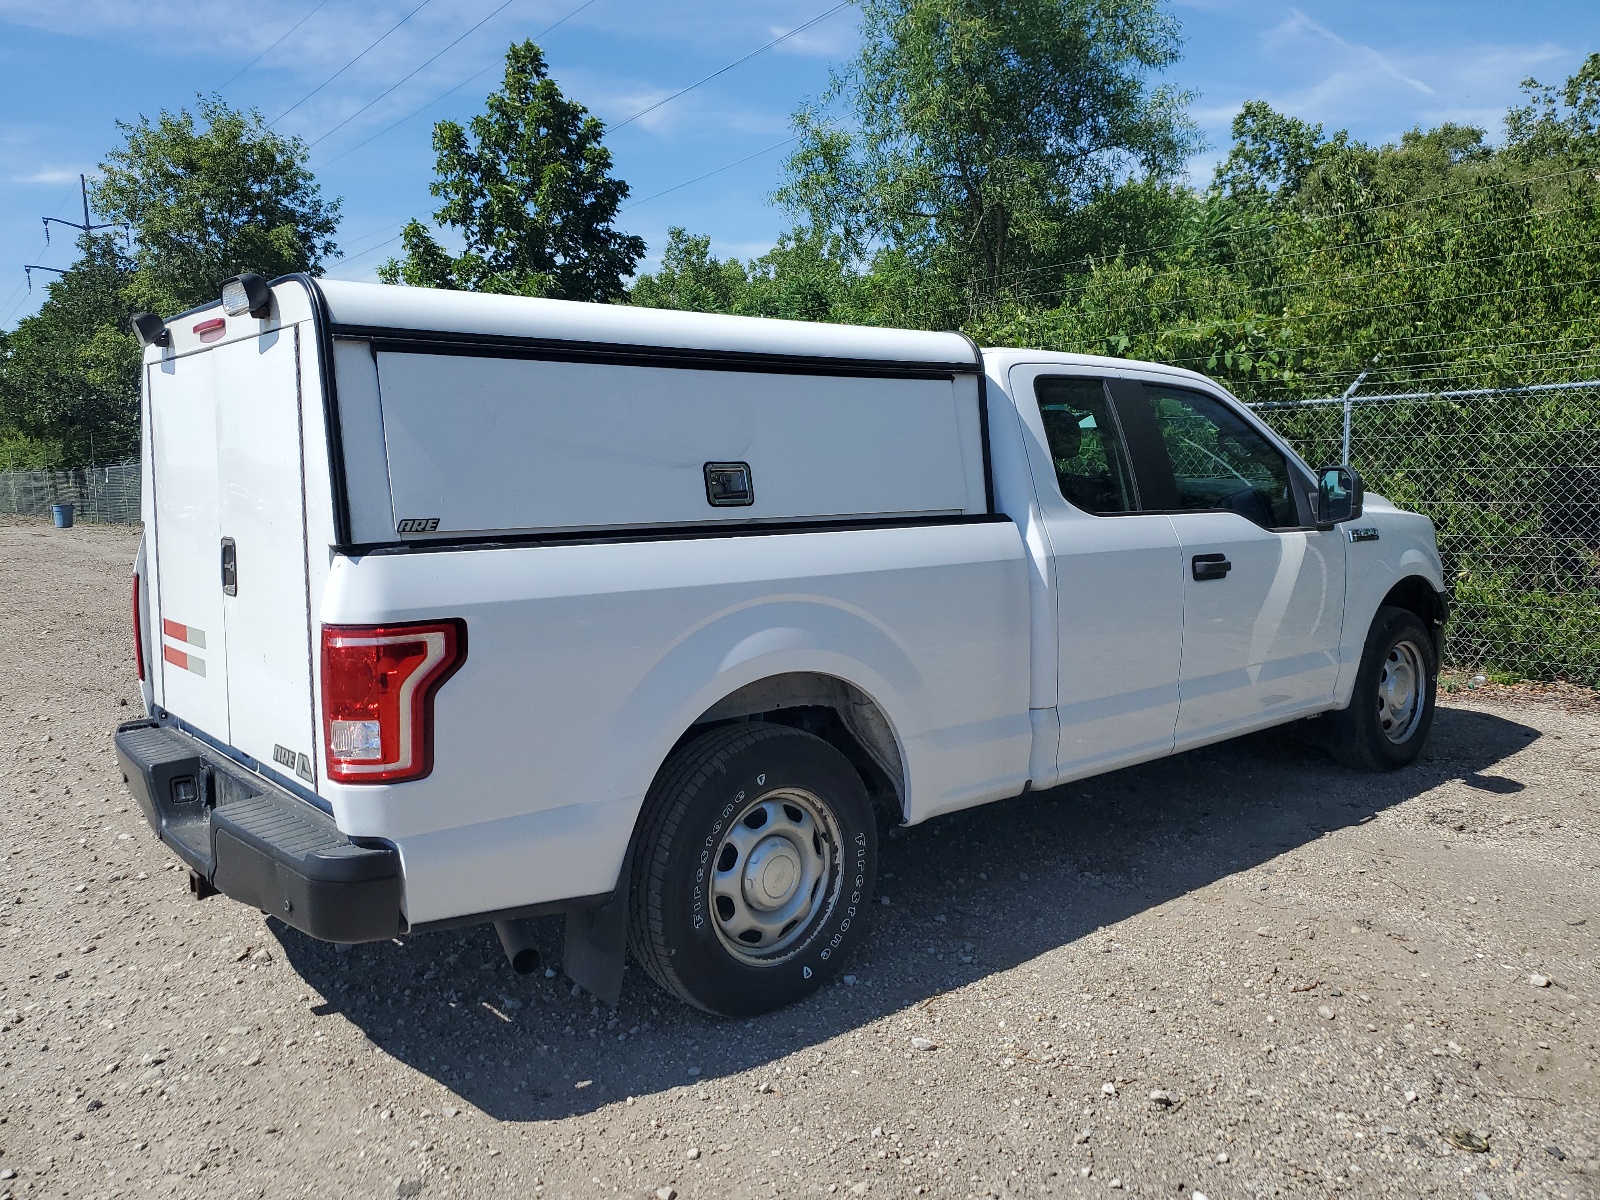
775 870
772 874
1401 692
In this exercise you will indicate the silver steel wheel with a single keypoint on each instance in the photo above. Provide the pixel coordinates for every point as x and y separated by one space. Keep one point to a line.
775 869
1402 683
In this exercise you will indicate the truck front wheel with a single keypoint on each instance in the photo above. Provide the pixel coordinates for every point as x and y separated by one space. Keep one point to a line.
754 869
1391 709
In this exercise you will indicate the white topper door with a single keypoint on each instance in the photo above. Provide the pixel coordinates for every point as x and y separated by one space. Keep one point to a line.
262 505
1119 590
193 656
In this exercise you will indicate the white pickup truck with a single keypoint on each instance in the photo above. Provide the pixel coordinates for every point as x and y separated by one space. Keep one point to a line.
458 608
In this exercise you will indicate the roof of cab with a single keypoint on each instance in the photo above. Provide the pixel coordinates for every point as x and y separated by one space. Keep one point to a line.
999 360
377 306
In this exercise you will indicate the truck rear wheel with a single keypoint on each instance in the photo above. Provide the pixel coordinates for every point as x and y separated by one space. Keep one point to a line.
754 869
1391 708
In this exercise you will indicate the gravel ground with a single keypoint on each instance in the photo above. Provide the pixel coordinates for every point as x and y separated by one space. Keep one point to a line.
1242 972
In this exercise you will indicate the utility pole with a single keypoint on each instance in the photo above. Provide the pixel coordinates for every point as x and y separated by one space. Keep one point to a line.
83 190
87 226
29 268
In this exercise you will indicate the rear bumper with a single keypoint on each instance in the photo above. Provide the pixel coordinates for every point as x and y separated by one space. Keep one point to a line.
257 843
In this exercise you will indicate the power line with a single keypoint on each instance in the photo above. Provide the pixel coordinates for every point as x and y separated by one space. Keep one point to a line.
371 233
415 112
1289 255
1579 344
725 167
14 301
1355 310
1304 218
403 79
10 304
1298 220
29 268
275 44
351 63
724 70
87 225
1312 251
1256 291
369 250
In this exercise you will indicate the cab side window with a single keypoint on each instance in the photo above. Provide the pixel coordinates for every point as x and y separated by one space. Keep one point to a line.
1085 445
1220 461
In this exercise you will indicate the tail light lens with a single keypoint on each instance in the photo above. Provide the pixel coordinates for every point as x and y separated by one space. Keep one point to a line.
138 632
378 684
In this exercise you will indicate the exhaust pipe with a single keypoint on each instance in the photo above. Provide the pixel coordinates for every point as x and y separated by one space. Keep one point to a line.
517 941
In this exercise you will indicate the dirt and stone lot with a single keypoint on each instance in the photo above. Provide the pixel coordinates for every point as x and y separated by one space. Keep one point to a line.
1244 972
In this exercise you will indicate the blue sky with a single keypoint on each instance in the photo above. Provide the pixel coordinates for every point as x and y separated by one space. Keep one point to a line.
70 68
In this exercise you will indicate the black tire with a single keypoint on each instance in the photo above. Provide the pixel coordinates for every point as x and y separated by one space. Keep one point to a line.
1367 735
682 925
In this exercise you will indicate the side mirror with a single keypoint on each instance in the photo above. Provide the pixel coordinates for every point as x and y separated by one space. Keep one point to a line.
1339 496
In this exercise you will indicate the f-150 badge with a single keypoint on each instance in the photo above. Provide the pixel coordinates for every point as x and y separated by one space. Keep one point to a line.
1365 534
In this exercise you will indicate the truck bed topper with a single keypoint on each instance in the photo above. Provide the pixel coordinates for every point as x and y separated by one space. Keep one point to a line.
566 329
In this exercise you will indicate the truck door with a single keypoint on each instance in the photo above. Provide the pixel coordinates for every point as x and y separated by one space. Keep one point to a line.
231 548
187 538
1116 573
263 527
1263 590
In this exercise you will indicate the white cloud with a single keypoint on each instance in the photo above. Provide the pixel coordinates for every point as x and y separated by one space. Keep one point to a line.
1300 20
52 175
1311 70
835 38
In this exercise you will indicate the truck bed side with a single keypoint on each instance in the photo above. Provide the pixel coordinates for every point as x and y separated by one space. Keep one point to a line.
587 662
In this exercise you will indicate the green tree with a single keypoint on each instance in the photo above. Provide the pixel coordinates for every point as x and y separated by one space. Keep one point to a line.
805 277
69 374
212 199
1558 122
691 278
532 193
977 127
1273 153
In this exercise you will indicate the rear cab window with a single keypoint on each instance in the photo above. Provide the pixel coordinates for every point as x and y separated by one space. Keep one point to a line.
1086 445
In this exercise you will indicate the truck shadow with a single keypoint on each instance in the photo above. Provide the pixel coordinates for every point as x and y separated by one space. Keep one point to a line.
970 895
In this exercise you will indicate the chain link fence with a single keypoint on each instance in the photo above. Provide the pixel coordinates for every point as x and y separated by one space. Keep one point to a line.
101 494
1511 478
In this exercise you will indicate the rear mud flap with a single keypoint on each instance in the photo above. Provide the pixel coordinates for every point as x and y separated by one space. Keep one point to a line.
597 946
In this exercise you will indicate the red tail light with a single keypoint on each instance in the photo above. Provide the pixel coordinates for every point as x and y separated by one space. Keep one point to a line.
378 684
138 633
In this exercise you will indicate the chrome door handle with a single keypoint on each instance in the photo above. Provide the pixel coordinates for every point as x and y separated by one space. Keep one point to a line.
1210 566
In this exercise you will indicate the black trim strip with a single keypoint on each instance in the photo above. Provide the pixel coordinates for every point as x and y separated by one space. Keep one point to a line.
405 341
1141 434
322 322
983 421
1198 512
665 533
